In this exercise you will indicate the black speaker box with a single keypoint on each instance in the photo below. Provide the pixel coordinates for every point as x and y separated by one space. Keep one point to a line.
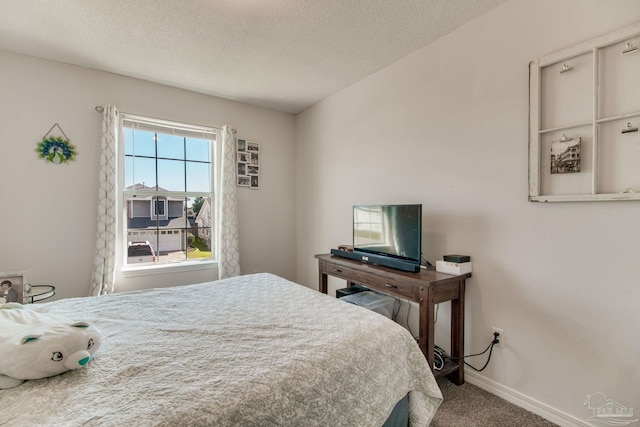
378 260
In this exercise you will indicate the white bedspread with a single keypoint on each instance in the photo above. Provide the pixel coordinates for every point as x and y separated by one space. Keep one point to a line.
255 350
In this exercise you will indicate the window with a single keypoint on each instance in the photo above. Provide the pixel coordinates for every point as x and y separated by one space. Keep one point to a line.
584 112
168 189
159 208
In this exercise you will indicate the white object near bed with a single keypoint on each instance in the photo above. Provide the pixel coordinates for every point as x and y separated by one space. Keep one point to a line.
253 350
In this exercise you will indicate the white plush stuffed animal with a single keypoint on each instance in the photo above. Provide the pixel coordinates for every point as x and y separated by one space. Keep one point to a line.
38 345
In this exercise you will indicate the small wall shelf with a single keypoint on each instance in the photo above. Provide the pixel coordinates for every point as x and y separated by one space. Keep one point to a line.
584 115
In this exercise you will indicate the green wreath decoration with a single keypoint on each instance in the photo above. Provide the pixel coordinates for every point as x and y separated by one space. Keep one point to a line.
56 149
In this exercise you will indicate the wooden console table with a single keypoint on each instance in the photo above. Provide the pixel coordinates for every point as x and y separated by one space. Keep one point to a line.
426 288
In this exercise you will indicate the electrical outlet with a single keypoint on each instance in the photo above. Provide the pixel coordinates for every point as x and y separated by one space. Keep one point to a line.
495 330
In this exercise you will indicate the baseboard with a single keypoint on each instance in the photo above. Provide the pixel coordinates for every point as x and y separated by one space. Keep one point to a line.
523 401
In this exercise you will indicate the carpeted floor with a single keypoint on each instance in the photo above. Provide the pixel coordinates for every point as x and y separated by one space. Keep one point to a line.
470 406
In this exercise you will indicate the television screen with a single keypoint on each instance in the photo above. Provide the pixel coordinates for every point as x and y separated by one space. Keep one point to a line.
389 230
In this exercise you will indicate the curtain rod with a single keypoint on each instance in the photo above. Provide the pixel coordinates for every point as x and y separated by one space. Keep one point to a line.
100 109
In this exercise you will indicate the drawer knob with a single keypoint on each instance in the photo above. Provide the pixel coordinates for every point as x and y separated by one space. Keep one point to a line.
389 285
337 270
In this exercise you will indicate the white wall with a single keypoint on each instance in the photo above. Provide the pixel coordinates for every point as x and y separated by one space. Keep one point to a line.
48 212
447 126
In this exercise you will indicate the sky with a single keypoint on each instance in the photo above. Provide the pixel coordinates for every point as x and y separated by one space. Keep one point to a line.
175 154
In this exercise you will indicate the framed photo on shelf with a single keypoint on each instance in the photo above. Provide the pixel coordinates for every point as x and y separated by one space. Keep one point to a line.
14 287
248 163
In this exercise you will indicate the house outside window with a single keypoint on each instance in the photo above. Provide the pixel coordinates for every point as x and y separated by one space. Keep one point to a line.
168 166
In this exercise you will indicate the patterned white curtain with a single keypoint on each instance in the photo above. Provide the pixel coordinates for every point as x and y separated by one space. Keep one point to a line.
228 239
104 267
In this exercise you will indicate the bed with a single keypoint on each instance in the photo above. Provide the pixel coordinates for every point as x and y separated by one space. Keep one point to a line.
255 350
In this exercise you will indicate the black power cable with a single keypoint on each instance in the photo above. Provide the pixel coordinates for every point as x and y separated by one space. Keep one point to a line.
489 349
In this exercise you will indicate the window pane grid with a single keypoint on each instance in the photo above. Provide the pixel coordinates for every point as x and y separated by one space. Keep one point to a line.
206 162
168 191
167 169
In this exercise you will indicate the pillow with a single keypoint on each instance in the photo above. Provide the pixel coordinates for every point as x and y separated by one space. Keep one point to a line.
39 345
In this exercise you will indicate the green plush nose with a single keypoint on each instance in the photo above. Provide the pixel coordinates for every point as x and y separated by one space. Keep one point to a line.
77 360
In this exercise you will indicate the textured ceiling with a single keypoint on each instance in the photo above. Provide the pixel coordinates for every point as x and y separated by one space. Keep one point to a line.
280 54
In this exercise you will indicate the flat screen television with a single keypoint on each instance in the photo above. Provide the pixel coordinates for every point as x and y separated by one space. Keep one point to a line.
393 231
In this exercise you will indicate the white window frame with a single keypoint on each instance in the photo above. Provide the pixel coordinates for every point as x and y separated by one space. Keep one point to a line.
561 61
131 270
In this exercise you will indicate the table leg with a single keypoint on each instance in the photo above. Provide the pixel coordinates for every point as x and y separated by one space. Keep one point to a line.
431 342
427 327
322 281
457 333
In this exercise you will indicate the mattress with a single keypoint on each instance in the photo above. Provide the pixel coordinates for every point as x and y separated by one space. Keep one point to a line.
255 350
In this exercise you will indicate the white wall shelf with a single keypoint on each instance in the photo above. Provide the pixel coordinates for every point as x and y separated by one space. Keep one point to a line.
584 115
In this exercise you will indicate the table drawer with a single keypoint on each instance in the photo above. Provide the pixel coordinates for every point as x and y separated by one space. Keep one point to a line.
339 271
394 287
377 282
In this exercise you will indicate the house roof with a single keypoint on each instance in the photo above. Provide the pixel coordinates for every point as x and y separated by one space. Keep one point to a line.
142 186
284 55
